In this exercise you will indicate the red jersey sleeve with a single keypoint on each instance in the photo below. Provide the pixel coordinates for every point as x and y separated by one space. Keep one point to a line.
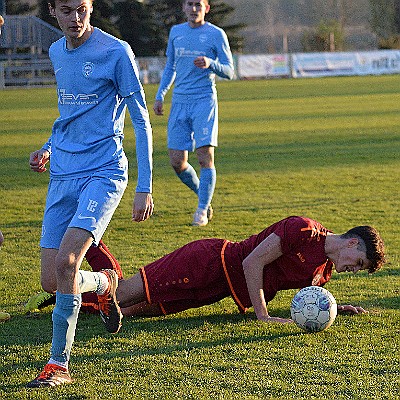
296 231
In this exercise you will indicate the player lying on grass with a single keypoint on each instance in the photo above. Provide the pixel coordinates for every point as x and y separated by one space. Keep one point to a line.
290 254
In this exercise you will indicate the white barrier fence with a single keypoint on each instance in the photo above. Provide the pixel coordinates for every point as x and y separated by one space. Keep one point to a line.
250 66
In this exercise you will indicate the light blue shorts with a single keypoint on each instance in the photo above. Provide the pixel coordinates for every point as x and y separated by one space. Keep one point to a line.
193 124
87 203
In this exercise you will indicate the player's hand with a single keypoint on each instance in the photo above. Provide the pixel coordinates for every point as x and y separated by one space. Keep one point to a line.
202 62
38 160
349 309
277 320
158 107
143 207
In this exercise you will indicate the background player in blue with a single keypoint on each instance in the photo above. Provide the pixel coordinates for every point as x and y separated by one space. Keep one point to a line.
96 80
196 51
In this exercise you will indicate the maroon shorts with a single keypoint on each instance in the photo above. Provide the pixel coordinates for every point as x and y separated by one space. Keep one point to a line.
189 277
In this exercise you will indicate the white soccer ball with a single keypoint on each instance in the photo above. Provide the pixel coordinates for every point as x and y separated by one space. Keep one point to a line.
313 309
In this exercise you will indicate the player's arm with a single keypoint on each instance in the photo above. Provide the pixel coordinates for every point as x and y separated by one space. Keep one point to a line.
253 266
143 202
167 78
222 65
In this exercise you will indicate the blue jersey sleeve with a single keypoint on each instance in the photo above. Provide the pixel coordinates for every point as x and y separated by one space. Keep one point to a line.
130 88
127 73
169 72
144 143
223 64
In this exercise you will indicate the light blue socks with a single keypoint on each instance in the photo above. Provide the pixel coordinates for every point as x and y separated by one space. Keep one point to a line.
190 179
208 178
203 187
65 317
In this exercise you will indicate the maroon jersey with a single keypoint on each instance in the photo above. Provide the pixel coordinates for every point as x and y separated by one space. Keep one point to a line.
303 262
207 270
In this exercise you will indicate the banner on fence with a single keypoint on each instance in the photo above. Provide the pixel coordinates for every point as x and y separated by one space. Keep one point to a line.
258 66
346 63
150 68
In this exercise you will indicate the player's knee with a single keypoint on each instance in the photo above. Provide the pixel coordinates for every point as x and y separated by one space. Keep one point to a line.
205 156
65 268
206 163
178 165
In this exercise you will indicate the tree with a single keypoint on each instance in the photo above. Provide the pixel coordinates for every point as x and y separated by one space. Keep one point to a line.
327 36
385 21
146 25
14 7
138 27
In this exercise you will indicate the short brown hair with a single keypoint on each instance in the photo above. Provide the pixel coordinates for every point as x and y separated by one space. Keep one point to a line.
206 1
374 246
53 3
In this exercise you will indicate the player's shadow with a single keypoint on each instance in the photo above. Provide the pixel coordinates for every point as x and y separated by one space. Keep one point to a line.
179 324
35 331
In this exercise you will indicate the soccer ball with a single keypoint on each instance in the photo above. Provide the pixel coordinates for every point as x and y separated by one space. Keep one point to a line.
313 309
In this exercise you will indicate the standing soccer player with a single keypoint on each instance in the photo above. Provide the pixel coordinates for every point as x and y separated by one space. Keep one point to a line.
196 52
97 79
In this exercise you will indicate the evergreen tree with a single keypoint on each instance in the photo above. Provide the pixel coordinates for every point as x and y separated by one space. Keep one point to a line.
385 22
146 25
137 26
14 7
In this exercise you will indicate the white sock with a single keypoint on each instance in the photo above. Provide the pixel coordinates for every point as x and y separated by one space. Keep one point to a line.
60 364
92 282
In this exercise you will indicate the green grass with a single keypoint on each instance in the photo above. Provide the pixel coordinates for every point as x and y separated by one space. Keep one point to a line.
325 148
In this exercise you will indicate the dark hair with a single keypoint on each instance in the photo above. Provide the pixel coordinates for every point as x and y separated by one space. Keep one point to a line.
53 3
374 246
207 1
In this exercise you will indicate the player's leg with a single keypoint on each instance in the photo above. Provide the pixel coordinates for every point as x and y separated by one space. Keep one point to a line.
65 313
68 300
99 258
96 204
180 142
205 131
185 172
208 178
131 291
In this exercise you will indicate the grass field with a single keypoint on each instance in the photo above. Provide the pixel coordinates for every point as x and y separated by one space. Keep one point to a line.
325 148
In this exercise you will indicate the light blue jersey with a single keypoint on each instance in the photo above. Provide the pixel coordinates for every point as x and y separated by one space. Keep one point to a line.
184 45
95 83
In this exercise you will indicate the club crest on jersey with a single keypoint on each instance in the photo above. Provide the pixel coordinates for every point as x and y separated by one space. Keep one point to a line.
87 69
203 38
